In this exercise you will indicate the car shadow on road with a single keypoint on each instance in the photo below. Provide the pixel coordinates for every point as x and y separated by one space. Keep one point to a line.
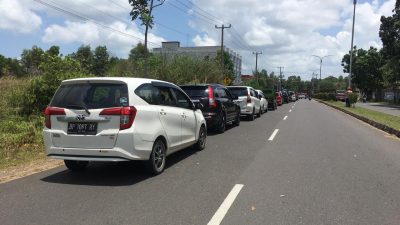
115 174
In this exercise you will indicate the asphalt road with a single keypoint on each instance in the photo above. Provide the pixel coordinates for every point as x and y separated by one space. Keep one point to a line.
321 167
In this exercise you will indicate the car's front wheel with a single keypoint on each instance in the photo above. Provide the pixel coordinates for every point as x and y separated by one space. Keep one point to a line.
156 163
76 165
201 142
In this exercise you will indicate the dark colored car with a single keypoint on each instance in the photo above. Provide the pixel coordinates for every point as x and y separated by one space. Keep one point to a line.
218 103
285 96
270 96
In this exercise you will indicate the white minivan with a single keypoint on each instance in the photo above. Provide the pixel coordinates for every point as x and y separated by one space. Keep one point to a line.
248 101
120 119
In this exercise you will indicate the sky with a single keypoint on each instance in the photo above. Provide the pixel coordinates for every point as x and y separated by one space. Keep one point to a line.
287 32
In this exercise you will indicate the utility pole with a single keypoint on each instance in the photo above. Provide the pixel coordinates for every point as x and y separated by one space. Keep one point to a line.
280 76
352 39
223 27
320 67
257 53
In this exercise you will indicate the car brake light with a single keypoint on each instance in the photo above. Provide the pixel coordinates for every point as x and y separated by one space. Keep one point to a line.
51 111
248 98
127 115
211 101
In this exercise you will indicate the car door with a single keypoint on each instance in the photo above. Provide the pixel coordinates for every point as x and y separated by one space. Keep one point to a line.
170 116
228 103
255 99
188 118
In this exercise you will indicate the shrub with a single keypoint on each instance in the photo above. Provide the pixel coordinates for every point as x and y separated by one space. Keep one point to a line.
353 97
38 93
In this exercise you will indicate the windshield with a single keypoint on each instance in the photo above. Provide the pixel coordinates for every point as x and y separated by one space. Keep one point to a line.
238 91
91 96
195 91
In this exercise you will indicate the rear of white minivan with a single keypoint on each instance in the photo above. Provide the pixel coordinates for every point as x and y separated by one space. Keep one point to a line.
90 120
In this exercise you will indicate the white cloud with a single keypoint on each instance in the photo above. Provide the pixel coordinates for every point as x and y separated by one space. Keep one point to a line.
15 16
204 40
118 37
290 31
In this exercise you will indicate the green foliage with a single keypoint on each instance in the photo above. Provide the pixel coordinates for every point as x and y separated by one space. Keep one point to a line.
325 96
143 10
31 59
353 97
37 95
101 61
228 64
84 56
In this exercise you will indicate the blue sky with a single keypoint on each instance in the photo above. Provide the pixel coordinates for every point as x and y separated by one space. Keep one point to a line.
288 32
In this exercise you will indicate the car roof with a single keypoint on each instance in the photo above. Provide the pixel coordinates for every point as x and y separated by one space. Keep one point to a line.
128 80
201 85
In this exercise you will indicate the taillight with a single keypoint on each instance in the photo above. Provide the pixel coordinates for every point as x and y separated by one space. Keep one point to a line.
127 115
211 101
248 98
51 111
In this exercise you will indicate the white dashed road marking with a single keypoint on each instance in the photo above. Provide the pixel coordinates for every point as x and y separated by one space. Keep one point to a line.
290 110
226 204
284 118
271 138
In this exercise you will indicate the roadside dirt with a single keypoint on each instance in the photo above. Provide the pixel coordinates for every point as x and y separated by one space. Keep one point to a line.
15 172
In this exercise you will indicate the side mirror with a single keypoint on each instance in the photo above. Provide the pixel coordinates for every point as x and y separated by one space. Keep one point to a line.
197 105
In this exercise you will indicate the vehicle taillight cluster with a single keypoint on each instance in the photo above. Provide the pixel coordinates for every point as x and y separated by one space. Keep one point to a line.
211 101
51 111
127 115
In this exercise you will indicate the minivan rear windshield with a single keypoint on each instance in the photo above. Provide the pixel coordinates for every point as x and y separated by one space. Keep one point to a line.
238 91
195 91
91 96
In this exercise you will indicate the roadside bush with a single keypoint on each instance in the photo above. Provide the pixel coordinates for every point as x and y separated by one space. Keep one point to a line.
37 94
325 96
353 97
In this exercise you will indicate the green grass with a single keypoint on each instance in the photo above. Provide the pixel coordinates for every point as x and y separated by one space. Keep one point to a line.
20 137
383 118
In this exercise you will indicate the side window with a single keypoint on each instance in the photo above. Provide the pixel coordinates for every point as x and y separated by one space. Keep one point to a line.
182 100
148 93
166 97
228 94
221 92
252 93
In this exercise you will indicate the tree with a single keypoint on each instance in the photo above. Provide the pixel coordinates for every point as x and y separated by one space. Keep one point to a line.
84 56
101 61
143 9
228 65
389 33
53 50
31 58
138 53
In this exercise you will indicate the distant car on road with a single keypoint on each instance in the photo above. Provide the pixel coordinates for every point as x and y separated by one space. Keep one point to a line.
120 119
340 95
270 96
285 96
218 103
263 101
249 103
302 95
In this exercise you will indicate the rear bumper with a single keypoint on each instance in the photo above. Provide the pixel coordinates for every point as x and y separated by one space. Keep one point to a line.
127 147
247 110
211 119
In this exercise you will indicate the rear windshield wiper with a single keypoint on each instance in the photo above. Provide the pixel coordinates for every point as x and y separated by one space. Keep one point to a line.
82 106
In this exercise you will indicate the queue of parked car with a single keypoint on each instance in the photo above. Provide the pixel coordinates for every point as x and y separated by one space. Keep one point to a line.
124 119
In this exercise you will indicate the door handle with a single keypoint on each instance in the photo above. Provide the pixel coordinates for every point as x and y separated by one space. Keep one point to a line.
162 112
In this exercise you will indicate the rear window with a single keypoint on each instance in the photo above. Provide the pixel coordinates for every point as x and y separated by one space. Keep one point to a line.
91 95
196 91
238 91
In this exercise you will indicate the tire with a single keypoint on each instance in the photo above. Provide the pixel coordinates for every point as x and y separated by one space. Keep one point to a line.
221 124
237 121
253 115
76 166
276 106
259 113
156 163
266 109
201 142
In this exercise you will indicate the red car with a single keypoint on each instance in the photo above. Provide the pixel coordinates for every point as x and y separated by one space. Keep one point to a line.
278 96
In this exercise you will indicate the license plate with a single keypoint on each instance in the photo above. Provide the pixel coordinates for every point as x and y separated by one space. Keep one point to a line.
87 128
